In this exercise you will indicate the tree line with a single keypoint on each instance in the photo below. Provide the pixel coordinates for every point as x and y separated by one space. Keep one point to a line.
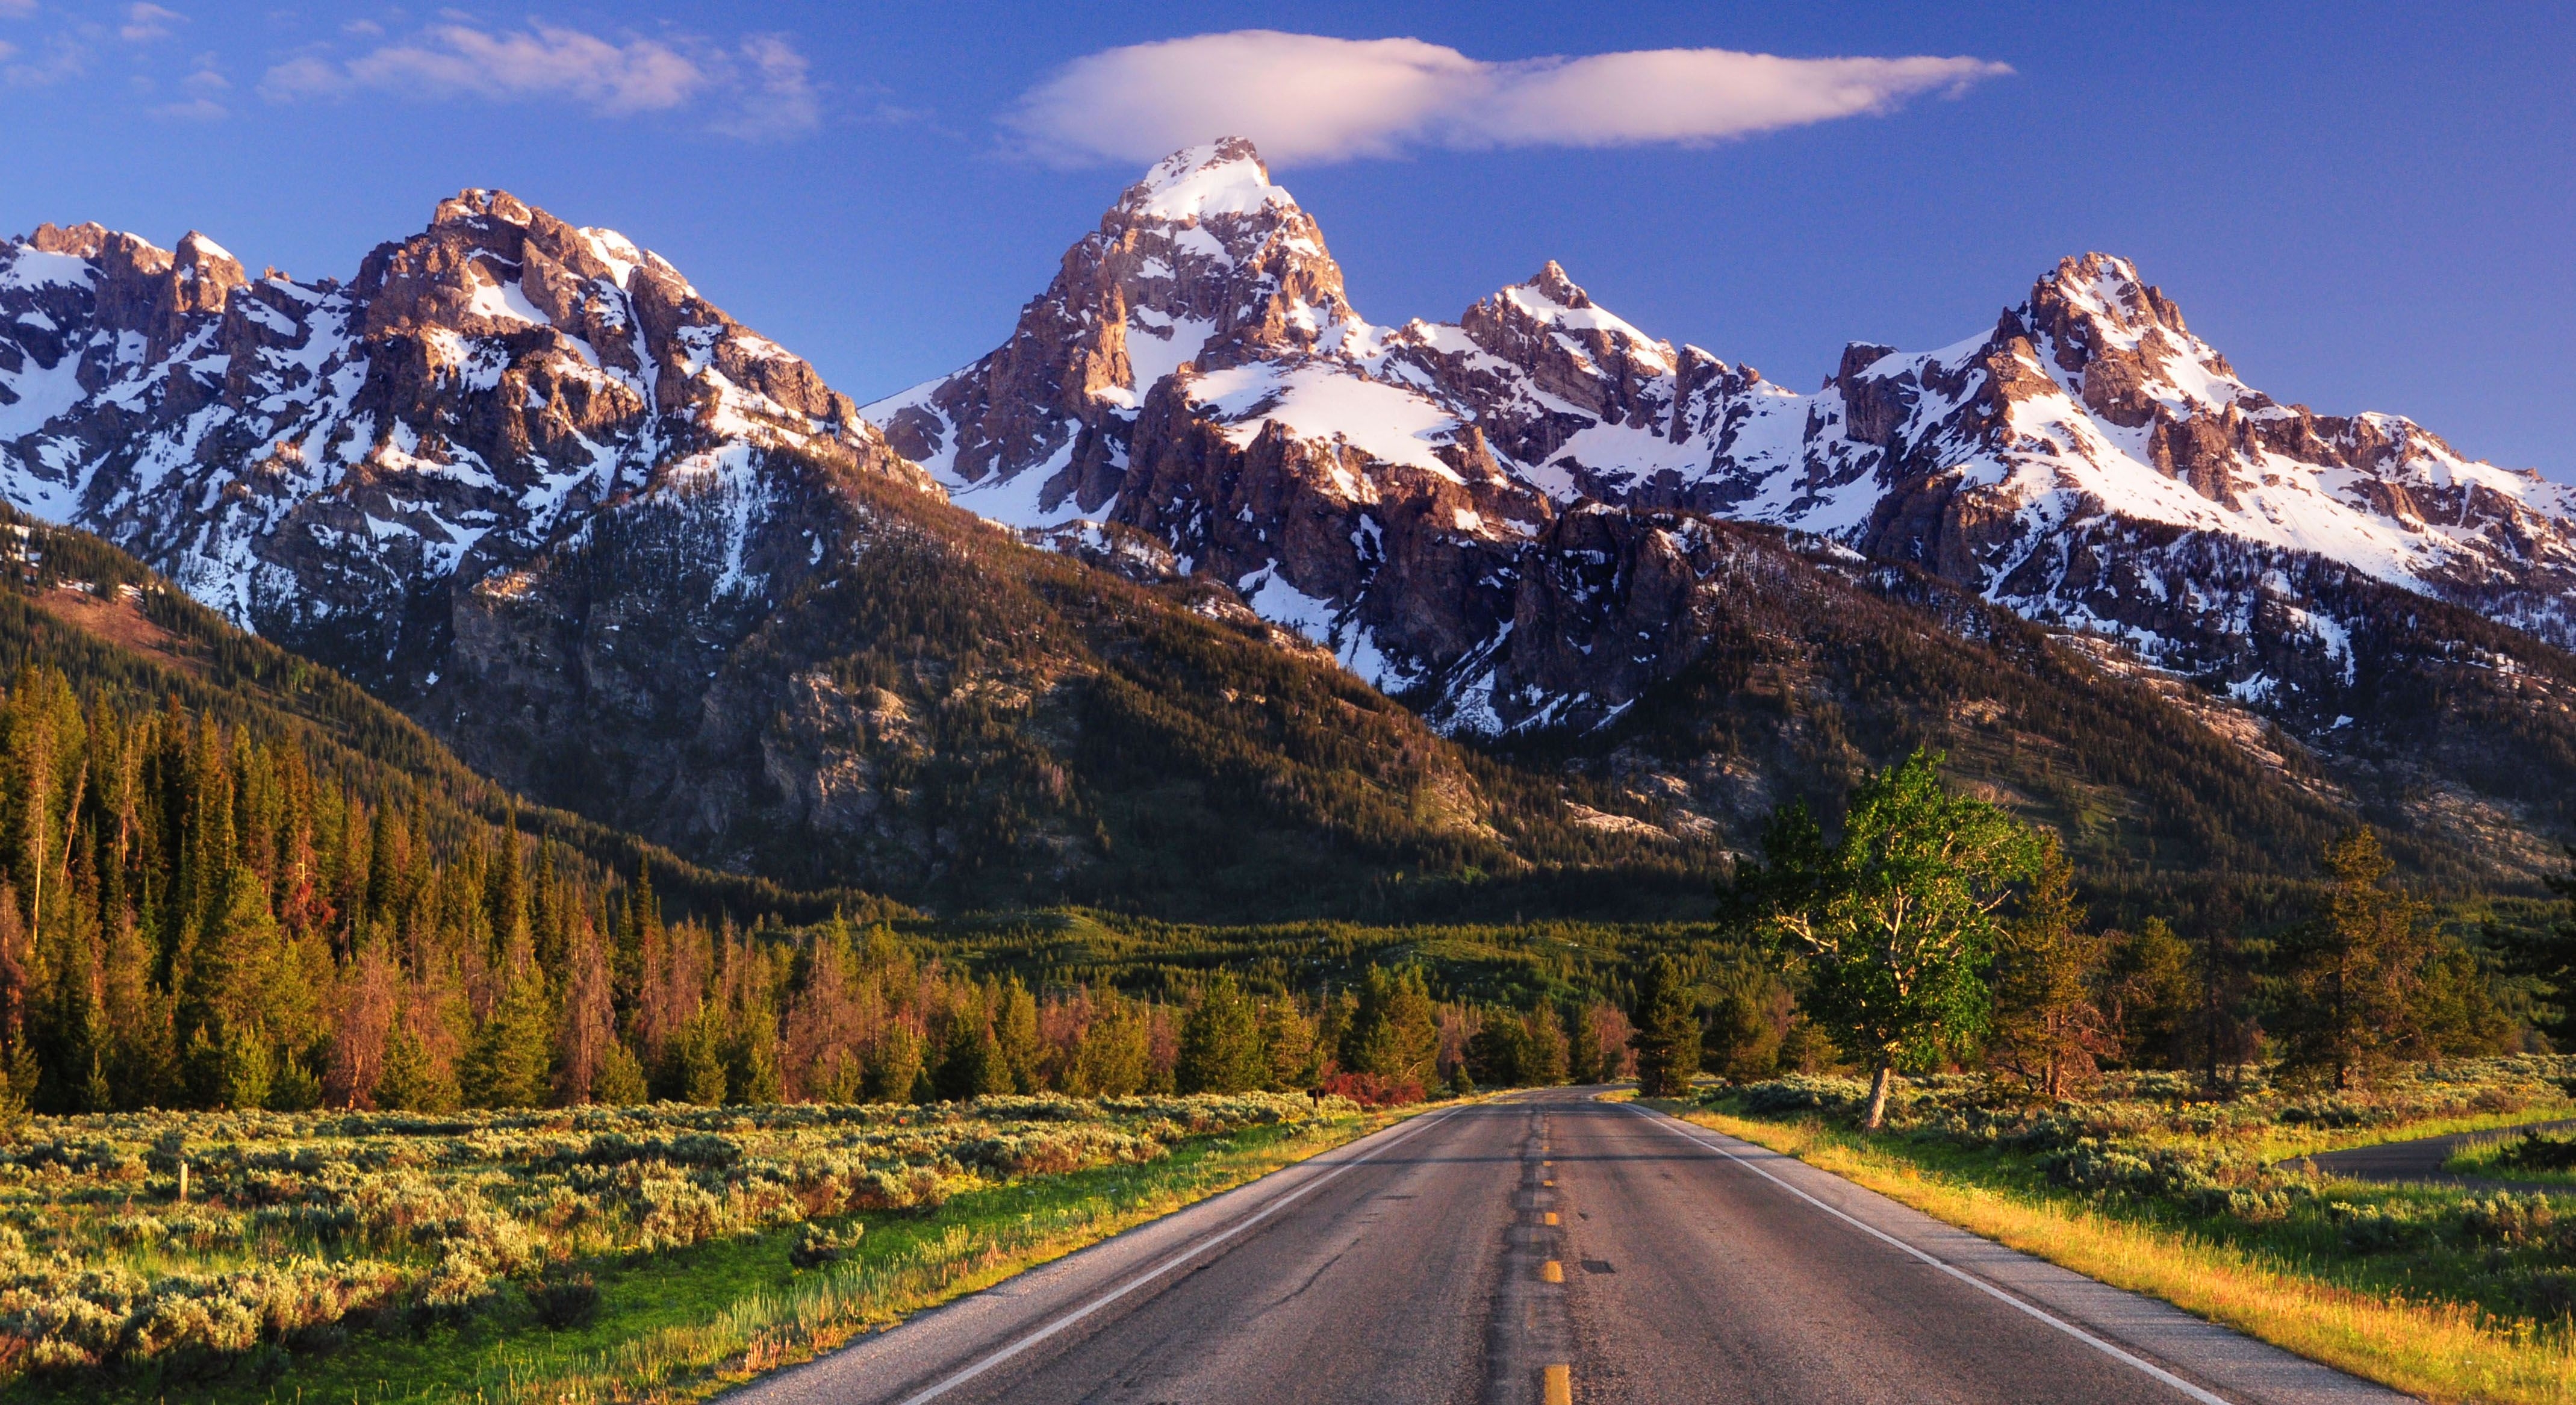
1938 931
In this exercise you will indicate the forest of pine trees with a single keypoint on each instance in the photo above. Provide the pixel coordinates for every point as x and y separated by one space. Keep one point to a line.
193 916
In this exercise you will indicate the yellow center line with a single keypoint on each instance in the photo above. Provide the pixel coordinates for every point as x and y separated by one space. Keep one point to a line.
1551 1217
1557 1384
1549 1184
1551 1272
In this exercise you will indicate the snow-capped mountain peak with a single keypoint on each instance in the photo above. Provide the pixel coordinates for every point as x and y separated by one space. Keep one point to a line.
1197 373
310 456
1224 177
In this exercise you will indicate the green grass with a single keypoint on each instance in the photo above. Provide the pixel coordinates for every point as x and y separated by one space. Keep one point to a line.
684 1323
2450 1292
2510 1157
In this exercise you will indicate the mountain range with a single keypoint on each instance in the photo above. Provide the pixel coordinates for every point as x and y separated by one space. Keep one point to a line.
1203 594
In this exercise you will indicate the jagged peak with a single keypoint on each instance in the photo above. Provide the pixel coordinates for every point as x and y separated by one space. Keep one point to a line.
2107 288
474 205
1553 297
1222 177
197 251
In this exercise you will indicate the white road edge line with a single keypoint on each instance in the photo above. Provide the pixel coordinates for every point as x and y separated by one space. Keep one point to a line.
1676 1126
1140 1280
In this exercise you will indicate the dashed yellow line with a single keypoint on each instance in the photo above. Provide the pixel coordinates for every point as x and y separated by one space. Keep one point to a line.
1549 1184
1551 1272
1557 1385
1551 1217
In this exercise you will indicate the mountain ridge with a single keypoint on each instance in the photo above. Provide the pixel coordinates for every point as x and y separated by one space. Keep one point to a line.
630 557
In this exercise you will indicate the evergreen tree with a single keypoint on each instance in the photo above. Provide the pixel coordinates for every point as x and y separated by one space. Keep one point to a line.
1295 1055
1583 1047
507 1063
2352 979
894 1065
2151 996
1494 1055
619 1080
1667 1040
1543 1052
2049 1029
1746 1024
1015 1031
2547 955
972 1066
1394 1032
415 1079
1112 1057
1221 1042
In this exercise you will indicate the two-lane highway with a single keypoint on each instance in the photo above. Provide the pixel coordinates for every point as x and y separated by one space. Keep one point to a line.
1548 1248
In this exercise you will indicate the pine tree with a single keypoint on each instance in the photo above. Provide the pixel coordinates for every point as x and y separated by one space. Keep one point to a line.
1394 1032
507 1063
1113 1056
2151 995
619 1080
415 1079
1668 1033
893 1065
2353 977
587 1028
1295 1055
2049 1028
1221 1042
1015 1031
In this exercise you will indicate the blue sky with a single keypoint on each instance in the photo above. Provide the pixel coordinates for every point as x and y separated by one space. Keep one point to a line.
2365 207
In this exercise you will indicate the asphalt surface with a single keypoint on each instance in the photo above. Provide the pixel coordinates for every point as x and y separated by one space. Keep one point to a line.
2421 1159
1551 1248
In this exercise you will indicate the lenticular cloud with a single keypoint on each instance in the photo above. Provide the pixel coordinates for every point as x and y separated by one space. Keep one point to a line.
1304 98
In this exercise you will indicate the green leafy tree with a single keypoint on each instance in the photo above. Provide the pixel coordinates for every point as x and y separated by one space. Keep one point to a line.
1894 926
1221 1042
1667 1038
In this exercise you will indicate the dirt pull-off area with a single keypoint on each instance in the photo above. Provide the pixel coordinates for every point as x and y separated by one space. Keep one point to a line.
119 619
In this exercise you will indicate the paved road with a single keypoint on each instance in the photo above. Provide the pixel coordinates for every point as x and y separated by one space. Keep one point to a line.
2421 1159
1551 1248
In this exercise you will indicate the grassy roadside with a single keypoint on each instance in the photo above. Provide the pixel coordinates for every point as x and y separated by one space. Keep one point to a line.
2374 1319
2530 1157
685 1324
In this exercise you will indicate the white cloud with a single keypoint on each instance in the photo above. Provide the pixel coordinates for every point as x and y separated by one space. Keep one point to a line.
144 23
542 61
760 88
1308 98
17 9
773 96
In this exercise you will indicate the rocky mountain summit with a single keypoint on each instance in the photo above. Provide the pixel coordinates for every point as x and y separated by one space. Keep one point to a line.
333 462
1424 499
